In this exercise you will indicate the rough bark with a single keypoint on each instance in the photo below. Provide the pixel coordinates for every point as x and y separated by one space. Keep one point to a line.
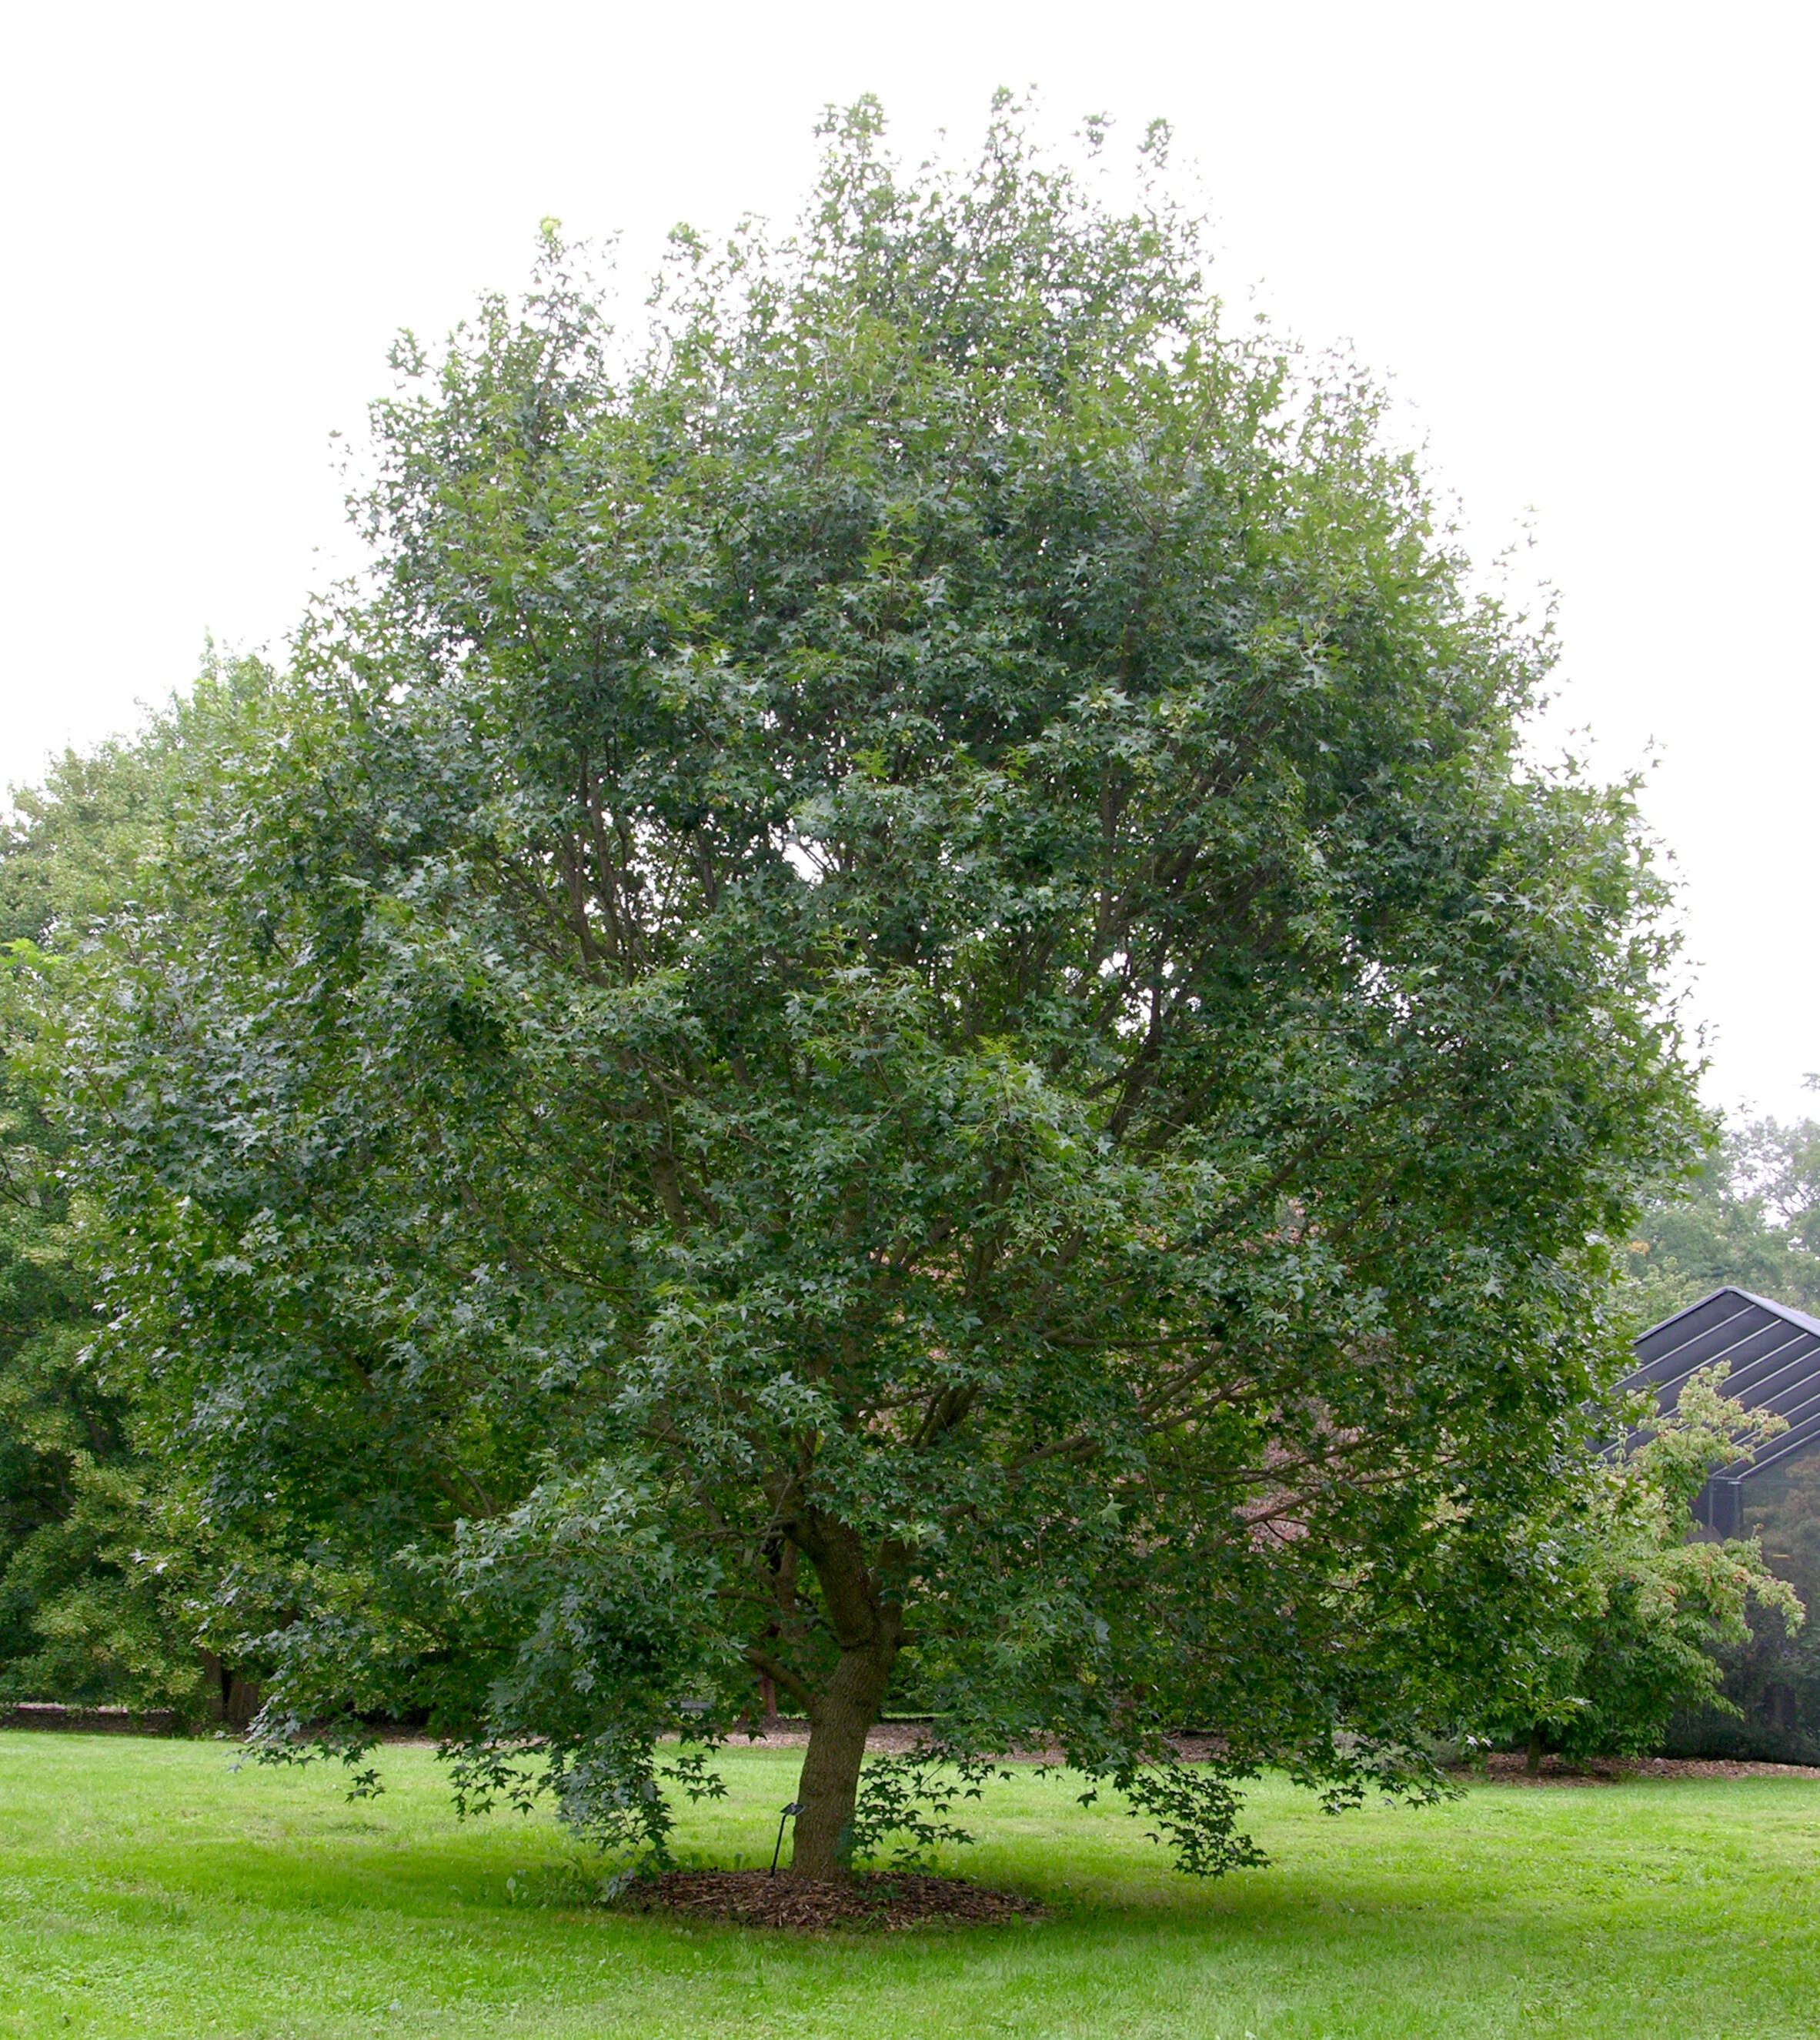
869 1630
1533 1763
829 1785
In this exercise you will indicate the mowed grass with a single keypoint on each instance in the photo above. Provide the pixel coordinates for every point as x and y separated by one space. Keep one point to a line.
150 1888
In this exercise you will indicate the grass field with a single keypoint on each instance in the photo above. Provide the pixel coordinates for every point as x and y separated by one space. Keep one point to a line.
149 1888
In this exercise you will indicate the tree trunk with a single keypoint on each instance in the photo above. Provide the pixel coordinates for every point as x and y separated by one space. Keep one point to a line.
838 1721
1533 1765
869 1630
229 1696
215 1688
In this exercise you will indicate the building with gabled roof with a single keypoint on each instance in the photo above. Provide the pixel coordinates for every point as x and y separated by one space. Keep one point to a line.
1772 1354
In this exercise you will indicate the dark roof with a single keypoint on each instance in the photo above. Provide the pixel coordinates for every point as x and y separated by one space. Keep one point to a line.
1772 1354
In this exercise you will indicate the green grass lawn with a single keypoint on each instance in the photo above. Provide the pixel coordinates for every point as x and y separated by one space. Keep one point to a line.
150 1888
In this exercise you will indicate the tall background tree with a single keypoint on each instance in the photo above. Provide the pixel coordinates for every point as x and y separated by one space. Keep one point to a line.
897 993
96 1570
1749 1216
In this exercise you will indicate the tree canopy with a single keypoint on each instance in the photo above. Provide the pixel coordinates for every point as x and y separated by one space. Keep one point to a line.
895 994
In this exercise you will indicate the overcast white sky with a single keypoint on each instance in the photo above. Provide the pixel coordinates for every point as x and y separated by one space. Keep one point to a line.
1581 239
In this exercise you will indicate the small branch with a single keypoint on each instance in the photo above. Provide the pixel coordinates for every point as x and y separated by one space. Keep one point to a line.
1083 1443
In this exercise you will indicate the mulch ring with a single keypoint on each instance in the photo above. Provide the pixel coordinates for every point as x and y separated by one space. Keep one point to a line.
880 1899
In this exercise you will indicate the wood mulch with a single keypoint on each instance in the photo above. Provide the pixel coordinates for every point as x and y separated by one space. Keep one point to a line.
896 1738
886 1738
90 1721
1511 1767
880 1900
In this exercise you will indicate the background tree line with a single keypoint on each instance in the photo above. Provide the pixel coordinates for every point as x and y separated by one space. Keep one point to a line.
105 1560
